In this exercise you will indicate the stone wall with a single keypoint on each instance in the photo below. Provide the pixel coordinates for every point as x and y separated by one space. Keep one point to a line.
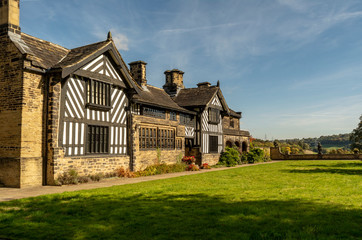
275 154
11 81
89 165
143 158
210 158
53 152
226 122
31 171
237 140
10 172
32 115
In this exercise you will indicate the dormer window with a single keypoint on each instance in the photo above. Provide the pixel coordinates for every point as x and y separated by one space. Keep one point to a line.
98 95
214 116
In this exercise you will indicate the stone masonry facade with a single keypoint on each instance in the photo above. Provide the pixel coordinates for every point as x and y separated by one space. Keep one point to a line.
46 89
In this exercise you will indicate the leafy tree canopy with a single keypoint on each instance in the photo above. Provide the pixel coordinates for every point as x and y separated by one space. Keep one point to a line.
356 136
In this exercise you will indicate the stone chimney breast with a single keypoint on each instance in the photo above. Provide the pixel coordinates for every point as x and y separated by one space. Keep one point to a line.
174 81
138 71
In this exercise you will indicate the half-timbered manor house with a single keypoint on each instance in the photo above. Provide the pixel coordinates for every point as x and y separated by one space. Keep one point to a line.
85 109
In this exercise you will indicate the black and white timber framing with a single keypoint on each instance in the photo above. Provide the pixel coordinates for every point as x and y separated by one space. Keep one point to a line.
211 129
99 100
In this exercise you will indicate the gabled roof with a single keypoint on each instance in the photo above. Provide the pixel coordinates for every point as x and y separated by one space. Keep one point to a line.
195 97
159 98
52 57
76 55
200 97
41 53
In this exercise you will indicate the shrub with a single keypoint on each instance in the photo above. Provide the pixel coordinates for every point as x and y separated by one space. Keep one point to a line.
244 157
205 166
68 177
83 179
189 159
230 157
121 172
161 169
71 177
255 155
192 167
96 177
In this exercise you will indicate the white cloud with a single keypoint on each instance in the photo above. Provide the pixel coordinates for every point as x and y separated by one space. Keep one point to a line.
121 41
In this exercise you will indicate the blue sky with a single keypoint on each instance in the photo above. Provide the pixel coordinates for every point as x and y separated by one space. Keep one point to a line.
292 67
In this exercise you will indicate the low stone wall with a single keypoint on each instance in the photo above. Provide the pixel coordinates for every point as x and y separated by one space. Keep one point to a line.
147 158
90 165
275 154
210 158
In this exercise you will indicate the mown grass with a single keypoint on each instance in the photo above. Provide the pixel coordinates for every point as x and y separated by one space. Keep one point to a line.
286 200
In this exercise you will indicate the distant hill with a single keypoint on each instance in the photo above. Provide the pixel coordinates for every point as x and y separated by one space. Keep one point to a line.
338 141
332 141
307 145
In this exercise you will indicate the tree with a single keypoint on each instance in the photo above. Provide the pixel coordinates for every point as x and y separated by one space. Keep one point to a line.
356 136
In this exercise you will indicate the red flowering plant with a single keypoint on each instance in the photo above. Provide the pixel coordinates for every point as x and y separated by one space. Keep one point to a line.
192 167
205 166
189 160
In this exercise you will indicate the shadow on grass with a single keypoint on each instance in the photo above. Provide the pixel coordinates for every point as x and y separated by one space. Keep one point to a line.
352 168
327 170
350 164
111 216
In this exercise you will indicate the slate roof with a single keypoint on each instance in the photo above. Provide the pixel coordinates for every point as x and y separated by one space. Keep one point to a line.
76 55
192 97
158 97
201 96
42 53
235 114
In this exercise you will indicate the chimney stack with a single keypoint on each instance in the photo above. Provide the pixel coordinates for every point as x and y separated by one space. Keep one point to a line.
203 85
9 16
138 71
174 81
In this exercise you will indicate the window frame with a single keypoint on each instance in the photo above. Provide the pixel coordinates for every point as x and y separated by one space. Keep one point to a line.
154 112
214 115
96 144
173 116
98 95
151 138
213 145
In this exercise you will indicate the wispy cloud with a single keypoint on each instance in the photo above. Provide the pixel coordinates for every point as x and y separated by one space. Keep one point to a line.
120 40
197 29
339 77
338 113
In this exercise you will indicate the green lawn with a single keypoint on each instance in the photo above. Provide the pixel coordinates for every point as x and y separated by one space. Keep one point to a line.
285 200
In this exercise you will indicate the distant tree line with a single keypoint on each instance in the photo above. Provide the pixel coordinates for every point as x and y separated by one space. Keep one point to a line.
336 143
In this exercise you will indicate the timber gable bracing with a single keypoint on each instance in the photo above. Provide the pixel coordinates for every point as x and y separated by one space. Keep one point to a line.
94 116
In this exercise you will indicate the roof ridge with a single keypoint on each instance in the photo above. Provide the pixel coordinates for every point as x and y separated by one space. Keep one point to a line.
89 44
148 85
83 57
